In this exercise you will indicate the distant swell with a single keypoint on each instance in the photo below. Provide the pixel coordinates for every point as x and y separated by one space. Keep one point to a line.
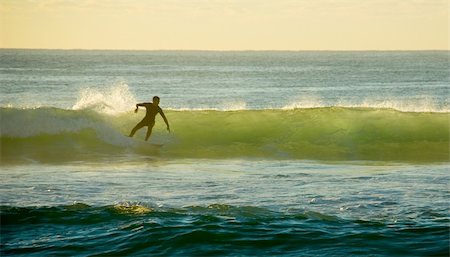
331 134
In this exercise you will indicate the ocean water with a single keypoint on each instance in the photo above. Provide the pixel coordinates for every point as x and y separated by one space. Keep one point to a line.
270 153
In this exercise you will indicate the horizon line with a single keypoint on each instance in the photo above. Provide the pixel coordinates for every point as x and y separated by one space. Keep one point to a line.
229 50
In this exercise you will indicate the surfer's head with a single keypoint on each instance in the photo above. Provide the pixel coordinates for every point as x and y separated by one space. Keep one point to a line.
156 100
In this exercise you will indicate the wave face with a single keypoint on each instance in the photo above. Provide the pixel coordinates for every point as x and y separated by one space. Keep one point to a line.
330 134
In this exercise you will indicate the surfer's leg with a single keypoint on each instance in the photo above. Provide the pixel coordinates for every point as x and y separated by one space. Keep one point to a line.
149 130
136 128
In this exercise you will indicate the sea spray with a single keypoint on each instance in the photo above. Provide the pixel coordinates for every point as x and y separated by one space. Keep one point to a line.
113 100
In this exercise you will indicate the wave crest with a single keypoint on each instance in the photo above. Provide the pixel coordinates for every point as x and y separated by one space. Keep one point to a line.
420 104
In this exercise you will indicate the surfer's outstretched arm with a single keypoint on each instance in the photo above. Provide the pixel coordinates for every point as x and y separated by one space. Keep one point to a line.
165 119
137 106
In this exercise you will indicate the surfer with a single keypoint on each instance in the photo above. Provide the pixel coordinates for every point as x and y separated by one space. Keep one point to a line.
149 120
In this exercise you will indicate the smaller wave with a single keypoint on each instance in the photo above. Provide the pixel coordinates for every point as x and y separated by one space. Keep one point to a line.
16 215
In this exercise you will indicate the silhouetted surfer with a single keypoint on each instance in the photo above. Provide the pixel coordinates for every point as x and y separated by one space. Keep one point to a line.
149 119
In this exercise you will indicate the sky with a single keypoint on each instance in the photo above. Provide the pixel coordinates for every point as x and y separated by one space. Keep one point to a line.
225 24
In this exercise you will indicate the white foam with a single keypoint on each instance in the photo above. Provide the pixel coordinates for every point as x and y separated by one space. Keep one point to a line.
23 123
305 102
234 106
114 100
422 104
419 104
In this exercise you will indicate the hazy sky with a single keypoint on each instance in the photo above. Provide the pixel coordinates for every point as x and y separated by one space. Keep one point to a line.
225 24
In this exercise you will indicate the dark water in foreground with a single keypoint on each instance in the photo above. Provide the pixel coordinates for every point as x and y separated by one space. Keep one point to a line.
78 230
225 208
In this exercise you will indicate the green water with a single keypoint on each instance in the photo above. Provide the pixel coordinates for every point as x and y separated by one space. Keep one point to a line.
328 134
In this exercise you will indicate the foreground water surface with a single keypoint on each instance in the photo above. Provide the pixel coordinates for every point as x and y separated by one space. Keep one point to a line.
237 207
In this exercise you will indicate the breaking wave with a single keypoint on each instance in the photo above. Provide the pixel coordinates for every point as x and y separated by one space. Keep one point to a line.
330 134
